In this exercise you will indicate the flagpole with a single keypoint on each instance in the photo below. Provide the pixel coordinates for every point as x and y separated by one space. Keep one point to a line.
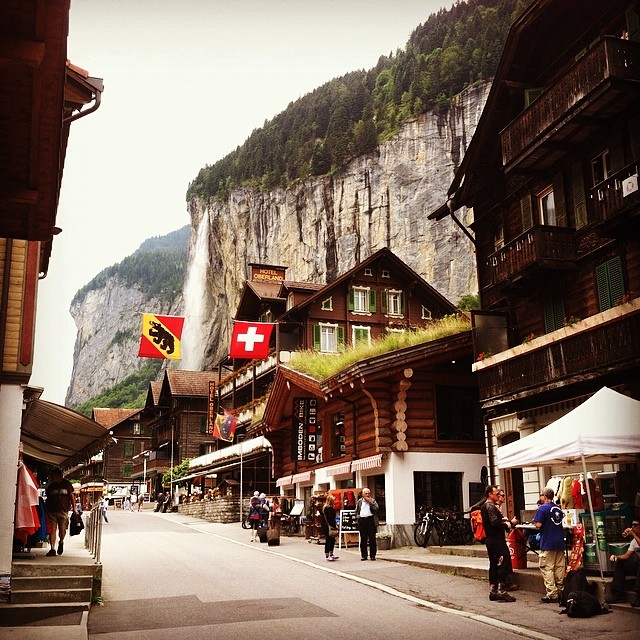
241 506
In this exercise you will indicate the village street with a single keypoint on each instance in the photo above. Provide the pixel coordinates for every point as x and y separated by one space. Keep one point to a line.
169 575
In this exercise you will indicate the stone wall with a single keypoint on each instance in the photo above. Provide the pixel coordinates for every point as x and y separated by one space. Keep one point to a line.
222 509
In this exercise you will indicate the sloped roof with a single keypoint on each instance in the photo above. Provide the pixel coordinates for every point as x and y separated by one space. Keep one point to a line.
110 417
188 383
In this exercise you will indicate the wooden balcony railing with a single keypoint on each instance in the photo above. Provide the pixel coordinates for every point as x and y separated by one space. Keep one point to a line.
541 247
611 58
599 348
612 201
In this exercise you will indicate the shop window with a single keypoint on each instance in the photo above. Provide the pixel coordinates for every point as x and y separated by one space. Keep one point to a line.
327 305
610 283
458 414
437 489
554 313
360 334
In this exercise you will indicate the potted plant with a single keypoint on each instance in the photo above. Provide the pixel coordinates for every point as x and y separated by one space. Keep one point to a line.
383 540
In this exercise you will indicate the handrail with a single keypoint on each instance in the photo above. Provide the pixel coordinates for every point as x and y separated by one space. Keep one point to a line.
93 532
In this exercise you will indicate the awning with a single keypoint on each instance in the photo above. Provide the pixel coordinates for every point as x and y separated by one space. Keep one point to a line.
216 460
193 476
286 481
60 436
339 469
372 462
301 478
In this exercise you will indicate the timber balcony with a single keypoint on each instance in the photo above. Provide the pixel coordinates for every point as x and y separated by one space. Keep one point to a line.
530 257
617 202
604 346
602 84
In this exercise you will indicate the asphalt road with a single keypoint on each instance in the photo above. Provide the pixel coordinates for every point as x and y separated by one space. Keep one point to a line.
169 576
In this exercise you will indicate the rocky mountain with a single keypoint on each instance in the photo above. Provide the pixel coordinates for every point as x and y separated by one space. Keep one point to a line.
318 228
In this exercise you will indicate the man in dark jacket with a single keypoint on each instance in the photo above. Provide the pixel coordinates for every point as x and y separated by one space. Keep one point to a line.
60 500
367 518
495 525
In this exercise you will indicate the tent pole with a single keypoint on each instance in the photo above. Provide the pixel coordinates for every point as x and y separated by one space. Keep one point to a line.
593 518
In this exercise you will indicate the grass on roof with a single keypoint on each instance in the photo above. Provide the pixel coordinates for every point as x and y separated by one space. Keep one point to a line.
321 366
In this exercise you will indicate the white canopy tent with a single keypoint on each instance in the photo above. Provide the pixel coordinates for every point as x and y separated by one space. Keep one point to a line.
604 428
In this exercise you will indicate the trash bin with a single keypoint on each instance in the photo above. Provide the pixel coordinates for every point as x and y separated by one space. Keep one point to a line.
517 543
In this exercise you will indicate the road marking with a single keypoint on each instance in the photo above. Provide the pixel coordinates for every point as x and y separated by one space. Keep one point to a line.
499 624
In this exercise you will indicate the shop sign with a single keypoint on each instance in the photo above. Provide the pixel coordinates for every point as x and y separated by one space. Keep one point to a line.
304 442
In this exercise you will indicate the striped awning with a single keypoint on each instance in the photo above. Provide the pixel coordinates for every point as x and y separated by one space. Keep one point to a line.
301 478
339 469
286 481
372 462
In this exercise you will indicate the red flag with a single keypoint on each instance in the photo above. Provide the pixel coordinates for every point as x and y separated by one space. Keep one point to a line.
224 427
160 336
250 340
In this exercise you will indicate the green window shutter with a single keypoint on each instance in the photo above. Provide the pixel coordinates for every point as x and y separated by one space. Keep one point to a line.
316 337
553 312
351 299
128 448
616 279
604 302
579 199
610 283
558 198
340 335
384 301
526 211
402 302
372 300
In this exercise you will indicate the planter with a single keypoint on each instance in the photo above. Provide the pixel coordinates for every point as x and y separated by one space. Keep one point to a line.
384 544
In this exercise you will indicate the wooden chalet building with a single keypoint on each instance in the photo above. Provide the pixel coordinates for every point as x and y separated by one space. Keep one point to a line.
552 176
405 423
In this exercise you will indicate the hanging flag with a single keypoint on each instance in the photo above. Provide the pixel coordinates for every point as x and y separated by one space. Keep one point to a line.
250 340
224 426
160 336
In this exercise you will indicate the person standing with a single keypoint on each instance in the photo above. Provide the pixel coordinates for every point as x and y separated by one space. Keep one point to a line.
134 502
509 584
367 519
495 525
104 505
627 564
255 516
548 521
328 523
60 500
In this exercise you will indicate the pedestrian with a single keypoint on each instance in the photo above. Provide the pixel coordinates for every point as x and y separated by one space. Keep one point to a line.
329 529
495 525
366 514
627 564
548 520
60 500
104 505
126 505
255 515
264 510
509 583
140 501
134 502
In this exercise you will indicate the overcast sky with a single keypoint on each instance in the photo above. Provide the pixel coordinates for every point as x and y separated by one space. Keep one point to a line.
186 82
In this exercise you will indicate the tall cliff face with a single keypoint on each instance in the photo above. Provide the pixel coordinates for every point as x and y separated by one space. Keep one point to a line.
320 228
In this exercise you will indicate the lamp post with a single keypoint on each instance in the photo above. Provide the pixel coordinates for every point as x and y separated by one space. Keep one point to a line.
144 473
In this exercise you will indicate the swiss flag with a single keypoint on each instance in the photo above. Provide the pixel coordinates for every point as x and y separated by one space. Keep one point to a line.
250 340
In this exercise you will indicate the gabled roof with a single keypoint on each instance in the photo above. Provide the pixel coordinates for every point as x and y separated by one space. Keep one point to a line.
153 394
254 294
382 254
187 384
111 417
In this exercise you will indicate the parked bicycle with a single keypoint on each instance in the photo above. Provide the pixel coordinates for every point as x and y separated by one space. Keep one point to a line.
449 526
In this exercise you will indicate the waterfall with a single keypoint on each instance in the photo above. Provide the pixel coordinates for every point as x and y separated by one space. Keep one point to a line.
197 311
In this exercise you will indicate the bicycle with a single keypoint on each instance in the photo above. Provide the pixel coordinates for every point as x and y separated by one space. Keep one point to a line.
457 529
430 519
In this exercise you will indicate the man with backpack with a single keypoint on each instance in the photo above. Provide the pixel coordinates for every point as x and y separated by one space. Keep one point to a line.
495 525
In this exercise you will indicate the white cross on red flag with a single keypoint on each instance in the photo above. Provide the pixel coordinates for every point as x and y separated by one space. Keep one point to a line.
250 340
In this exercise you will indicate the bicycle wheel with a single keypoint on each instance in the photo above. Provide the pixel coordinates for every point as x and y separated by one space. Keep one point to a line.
465 531
419 533
246 523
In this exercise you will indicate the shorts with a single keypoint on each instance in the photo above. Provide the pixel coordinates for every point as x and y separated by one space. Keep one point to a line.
60 520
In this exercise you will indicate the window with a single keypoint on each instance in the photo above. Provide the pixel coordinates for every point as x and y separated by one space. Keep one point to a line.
610 283
368 272
327 305
600 168
547 207
362 300
385 273
458 414
498 238
532 94
128 448
126 471
204 427
136 429
554 314
393 302
328 338
425 313
360 334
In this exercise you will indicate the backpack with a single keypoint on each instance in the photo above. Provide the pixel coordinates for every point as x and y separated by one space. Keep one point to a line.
575 581
581 604
477 526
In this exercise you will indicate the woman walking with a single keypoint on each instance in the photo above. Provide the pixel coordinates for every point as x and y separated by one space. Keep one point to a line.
329 528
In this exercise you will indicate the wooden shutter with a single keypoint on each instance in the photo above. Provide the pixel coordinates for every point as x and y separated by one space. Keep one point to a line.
402 303
553 312
579 199
526 210
558 199
384 301
316 337
616 153
340 335
352 296
610 283
372 300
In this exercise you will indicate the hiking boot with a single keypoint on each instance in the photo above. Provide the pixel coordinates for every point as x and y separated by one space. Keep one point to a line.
60 548
501 596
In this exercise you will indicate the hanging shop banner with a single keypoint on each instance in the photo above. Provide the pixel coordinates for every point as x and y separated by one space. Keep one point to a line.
304 440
